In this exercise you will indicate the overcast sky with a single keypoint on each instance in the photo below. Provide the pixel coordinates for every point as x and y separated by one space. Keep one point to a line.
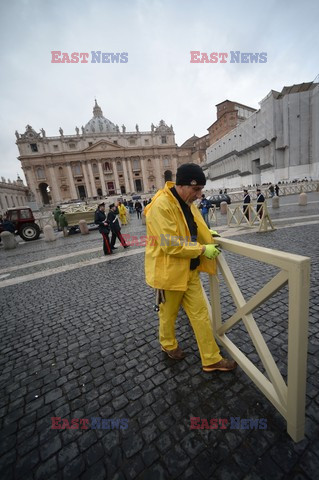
158 81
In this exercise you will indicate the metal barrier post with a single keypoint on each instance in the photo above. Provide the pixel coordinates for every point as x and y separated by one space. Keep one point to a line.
297 348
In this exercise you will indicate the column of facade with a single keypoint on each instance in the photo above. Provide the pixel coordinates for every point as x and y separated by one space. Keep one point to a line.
158 173
144 175
32 184
55 193
116 177
72 190
174 162
99 164
127 185
93 187
130 175
86 180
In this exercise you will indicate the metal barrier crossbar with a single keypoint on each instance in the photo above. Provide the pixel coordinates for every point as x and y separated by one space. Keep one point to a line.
288 399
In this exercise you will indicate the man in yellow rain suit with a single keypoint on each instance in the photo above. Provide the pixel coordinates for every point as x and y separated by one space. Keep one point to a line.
122 213
179 245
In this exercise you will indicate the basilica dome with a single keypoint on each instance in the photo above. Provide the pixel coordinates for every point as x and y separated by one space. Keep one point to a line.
99 124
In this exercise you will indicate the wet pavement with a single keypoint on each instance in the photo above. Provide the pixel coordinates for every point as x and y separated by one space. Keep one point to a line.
79 341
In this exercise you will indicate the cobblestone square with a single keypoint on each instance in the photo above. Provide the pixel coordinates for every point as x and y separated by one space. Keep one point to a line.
79 340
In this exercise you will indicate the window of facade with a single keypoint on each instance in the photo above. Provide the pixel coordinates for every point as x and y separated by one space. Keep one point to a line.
72 145
119 166
136 164
34 147
90 144
61 171
115 141
107 166
146 141
110 187
163 139
55 147
40 173
95 168
166 162
77 170
132 141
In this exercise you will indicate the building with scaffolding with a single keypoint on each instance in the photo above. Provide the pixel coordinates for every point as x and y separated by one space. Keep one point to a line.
279 142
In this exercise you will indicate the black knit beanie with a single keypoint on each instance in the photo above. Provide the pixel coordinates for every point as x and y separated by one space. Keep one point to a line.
190 174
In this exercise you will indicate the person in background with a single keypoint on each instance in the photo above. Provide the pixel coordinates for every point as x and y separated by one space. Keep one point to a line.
204 207
113 222
277 190
130 206
104 228
122 213
63 224
56 214
7 225
260 201
271 190
246 202
138 208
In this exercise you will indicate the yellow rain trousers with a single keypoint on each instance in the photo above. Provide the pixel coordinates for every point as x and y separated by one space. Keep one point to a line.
195 306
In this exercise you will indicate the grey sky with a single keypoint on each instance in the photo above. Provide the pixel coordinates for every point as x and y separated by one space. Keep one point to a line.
158 81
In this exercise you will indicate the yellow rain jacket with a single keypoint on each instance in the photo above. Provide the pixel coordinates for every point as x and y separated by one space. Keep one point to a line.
168 247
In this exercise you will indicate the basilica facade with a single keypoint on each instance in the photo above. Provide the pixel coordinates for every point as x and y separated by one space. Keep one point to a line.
99 160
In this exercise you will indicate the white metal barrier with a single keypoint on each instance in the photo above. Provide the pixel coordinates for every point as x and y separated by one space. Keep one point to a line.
250 216
43 220
212 216
288 399
284 189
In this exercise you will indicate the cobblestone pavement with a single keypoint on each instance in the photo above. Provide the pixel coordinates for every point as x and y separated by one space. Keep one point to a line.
83 343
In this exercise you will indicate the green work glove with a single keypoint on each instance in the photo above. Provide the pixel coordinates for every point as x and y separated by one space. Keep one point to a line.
214 233
211 251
